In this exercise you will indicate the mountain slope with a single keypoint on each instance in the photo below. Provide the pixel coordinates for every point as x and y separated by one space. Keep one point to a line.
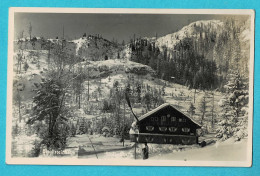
192 30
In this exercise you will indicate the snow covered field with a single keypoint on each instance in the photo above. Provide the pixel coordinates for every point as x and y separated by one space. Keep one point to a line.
111 148
221 151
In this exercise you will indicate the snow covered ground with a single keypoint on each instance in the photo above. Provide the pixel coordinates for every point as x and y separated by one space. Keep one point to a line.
220 151
112 148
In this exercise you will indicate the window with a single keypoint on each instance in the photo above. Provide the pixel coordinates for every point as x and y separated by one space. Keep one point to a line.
156 118
149 128
163 129
152 118
173 129
168 115
149 139
163 118
173 119
185 141
185 130
182 120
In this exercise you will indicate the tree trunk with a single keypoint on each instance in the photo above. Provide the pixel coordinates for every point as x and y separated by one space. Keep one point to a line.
50 125
123 133
88 83
19 102
79 101
194 96
212 113
202 118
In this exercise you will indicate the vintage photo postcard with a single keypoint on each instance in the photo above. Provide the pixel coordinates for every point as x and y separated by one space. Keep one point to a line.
142 87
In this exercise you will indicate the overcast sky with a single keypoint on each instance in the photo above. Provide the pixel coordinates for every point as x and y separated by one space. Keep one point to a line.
118 26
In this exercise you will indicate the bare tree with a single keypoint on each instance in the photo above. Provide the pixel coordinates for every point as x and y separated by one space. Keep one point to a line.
30 31
203 108
212 111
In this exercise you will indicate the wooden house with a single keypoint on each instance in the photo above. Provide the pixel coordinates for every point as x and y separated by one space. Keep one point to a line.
166 125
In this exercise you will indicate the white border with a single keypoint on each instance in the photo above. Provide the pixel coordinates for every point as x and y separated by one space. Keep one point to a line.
121 162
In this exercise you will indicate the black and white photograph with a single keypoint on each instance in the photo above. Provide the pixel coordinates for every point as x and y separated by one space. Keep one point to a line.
145 87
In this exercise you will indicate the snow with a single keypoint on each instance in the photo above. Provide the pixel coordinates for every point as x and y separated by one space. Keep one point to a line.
25 39
118 70
24 144
85 144
171 40
221 151
79 43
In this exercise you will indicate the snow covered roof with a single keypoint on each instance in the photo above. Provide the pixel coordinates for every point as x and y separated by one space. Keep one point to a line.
163 106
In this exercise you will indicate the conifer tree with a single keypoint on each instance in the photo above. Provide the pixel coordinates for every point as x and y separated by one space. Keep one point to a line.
203 108
226 124
234 118
191 109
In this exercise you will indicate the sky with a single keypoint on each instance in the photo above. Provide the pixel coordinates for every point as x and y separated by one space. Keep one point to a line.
111 26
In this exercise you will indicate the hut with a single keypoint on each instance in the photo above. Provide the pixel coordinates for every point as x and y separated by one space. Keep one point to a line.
166 125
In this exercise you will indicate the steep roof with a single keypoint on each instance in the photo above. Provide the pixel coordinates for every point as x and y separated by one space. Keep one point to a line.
163 106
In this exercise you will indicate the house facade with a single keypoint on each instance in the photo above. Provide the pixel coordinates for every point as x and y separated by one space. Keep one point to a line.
167 125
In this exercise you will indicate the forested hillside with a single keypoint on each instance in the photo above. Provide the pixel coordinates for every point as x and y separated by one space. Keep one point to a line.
200 55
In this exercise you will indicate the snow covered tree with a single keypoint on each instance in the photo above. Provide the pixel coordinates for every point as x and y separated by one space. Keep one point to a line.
237 90
33 42
35 152
20 58
18 97
30 31
115 85
128 89
191 109
212 110
15 130
147 100
73 130
238 93
78 85
163 89
49 108
138 90
203 108
25 66
227 122
235 105
107 107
